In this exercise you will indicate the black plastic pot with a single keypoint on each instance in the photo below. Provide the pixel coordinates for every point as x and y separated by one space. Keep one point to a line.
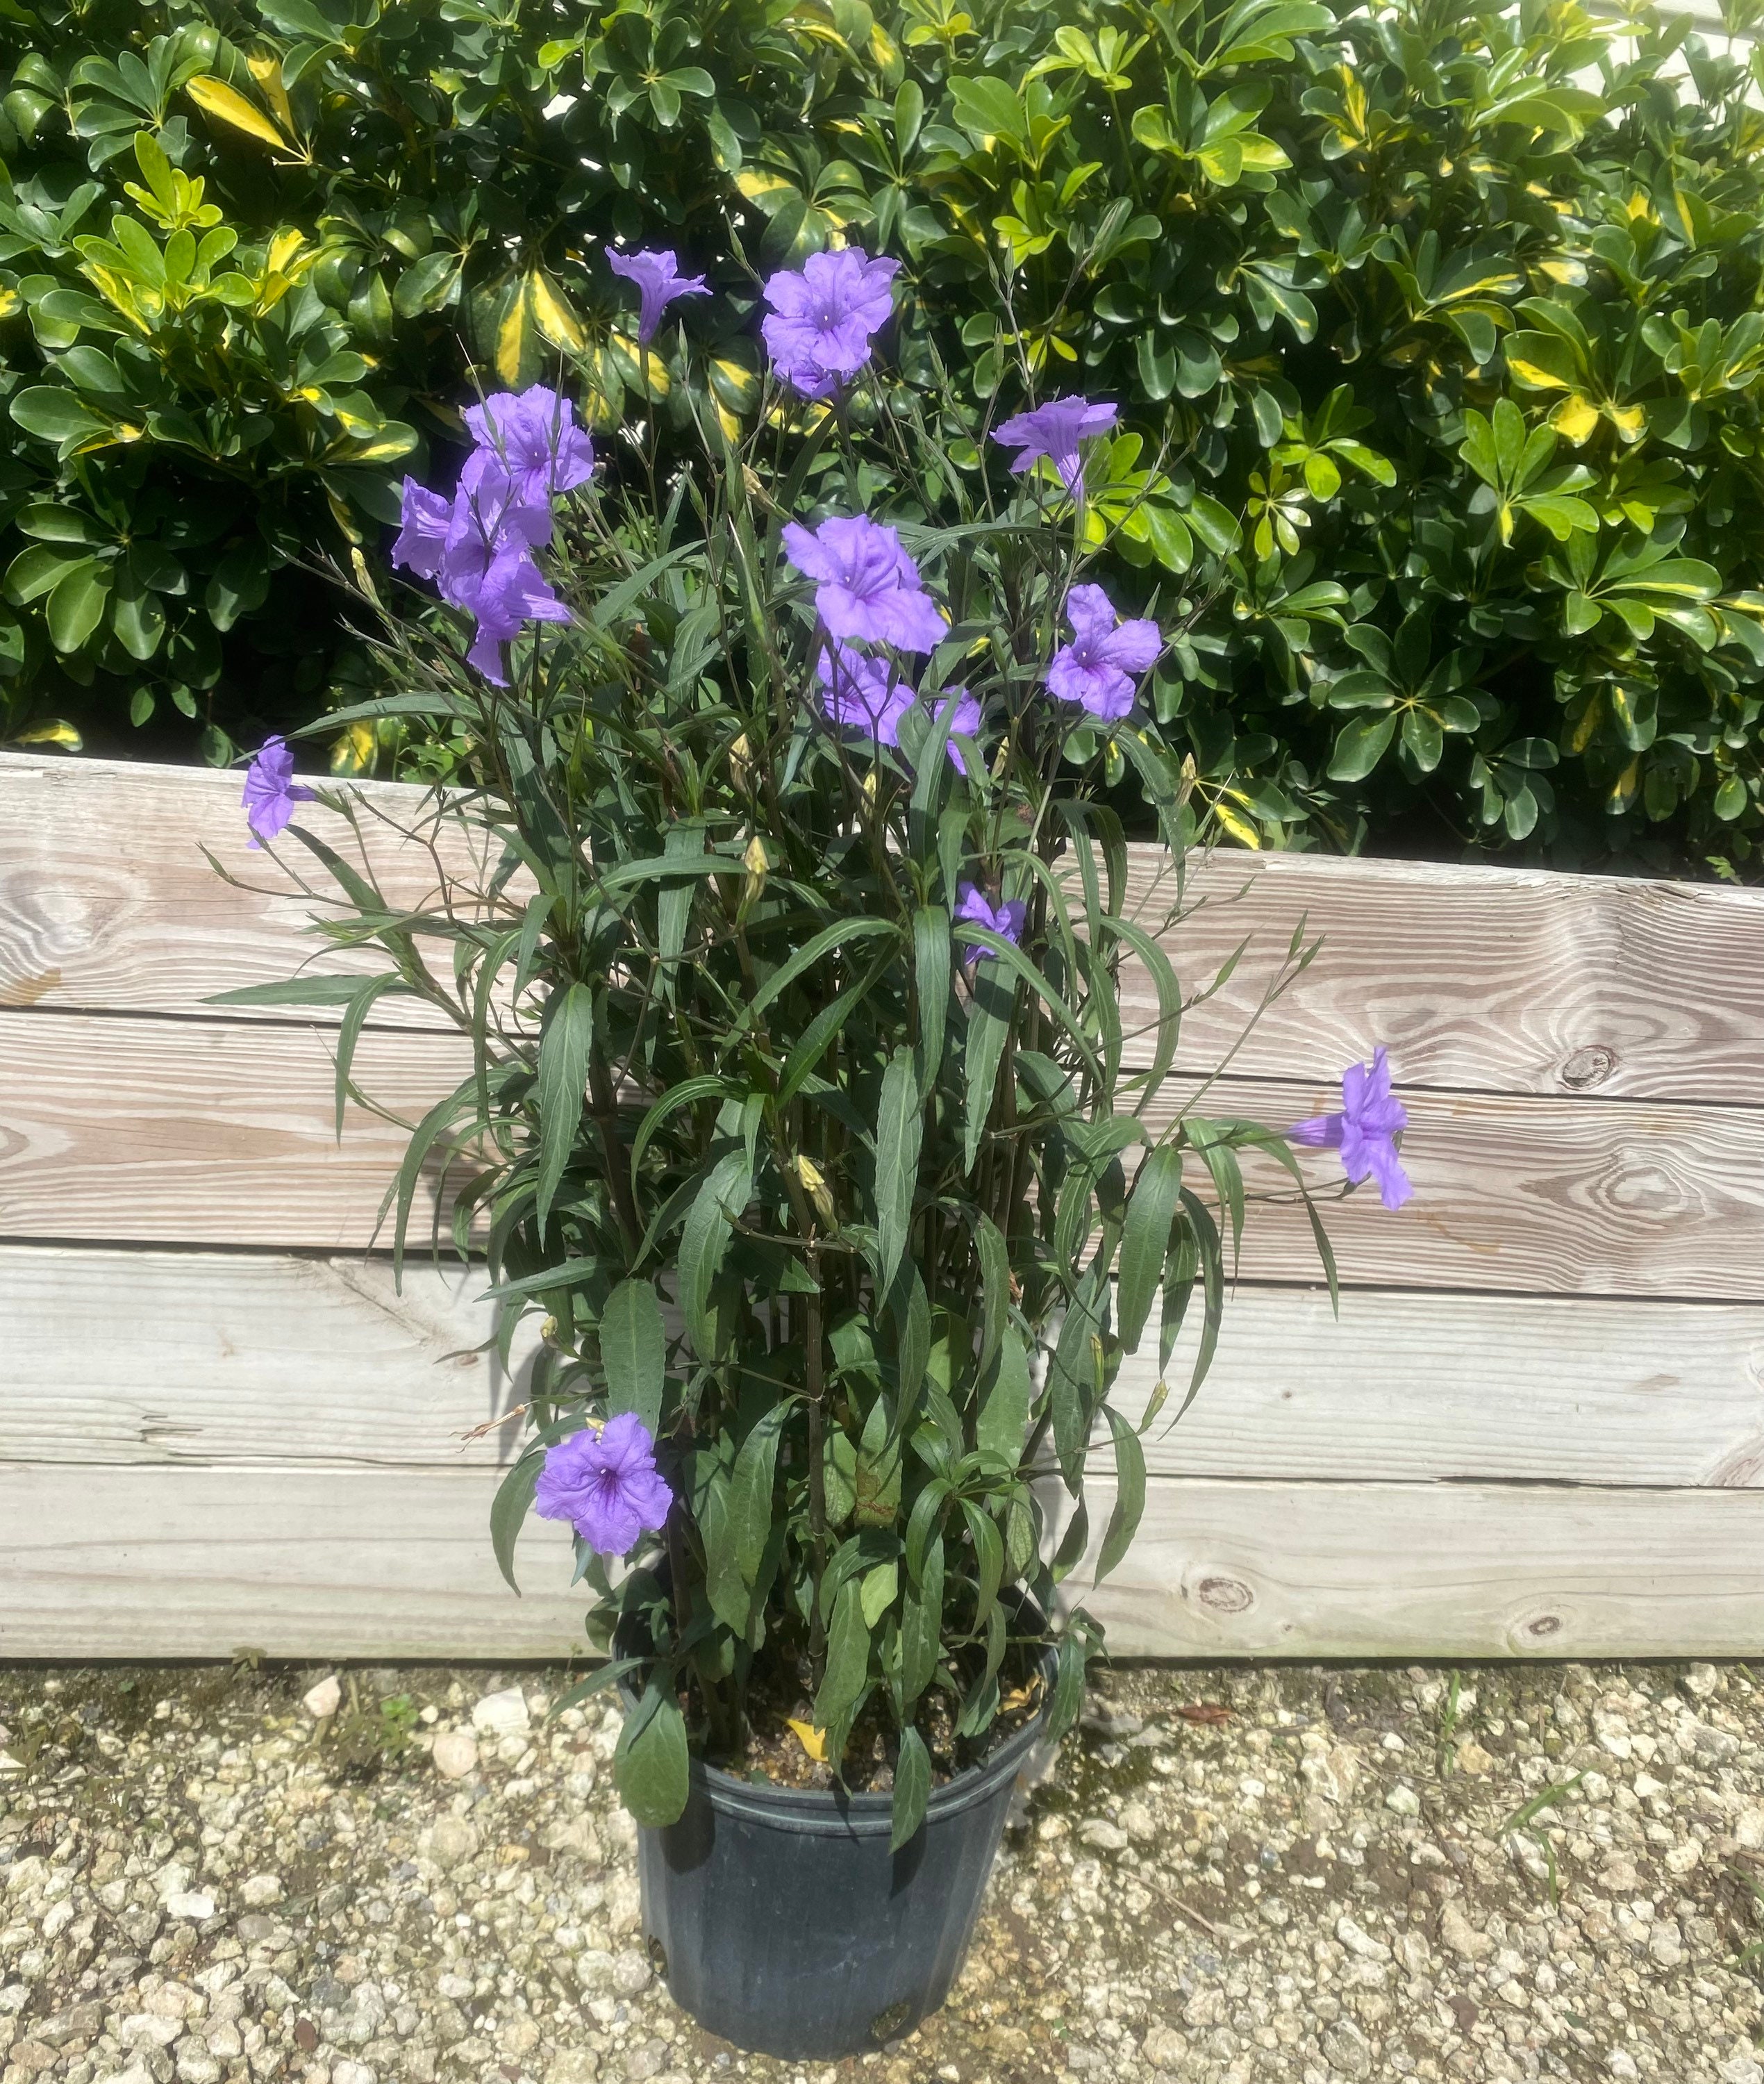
785 1925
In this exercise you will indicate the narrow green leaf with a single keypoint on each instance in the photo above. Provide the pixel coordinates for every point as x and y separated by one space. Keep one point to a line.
651 1768
563 1047
933 960
633 1353
899 1128
989 1015
847 1656
750 1492
509 1509
703 1241
913 1788
1145 1242
1129 1494
1005 1392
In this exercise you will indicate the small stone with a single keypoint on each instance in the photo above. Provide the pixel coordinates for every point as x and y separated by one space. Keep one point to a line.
1700 1681
595 1972
1711 1747
258 1890
1347 2050
455 1754
502 1714
1749 1829
1471 1758
1359 1942
1682 1858
631 1973
644 2062
1741 2069
197 2065
1403 1799
1621 2063
1106 1836
574 2065
1165 2047
449 1840
191 1904
1458 1935
323 1701
1138 1821
144 2029
352 2073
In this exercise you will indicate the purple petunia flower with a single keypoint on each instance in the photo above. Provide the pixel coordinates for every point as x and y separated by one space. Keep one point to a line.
605 1484
862 693
1055 431
1005 919
271 791
867 588
1098 668
659 283
965 722
1365 1130
500 585
533 434
819 331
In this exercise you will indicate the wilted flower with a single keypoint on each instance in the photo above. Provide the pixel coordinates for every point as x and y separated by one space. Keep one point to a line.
534 437
659 283
1055 431
1098 668
605 1484
1005 918
867 589
1365 1129
271 791
819 331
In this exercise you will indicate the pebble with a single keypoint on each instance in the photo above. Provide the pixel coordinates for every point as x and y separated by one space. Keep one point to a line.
324 1699
1241 1903
454 1754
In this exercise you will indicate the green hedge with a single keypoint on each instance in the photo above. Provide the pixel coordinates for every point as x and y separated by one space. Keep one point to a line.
1435 331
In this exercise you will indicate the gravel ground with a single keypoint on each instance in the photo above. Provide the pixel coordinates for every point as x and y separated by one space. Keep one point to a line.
1286 1875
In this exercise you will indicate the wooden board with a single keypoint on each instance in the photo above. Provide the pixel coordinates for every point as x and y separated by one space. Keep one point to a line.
197 1357
1436 1570
1482 979
193 1358
304 1563
131 1129
295 1562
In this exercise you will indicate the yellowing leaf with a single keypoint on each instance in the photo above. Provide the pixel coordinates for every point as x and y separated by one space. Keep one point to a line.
266 69
813 1741
1576 417
354 752
283 249
1239 828
1539 377
511 341
54 732
10 302
882 47
728 423
767 190
553 317
1629 421
1571 273
226 104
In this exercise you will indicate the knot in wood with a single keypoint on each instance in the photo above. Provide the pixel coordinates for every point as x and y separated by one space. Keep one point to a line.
1225 1595
1587 1067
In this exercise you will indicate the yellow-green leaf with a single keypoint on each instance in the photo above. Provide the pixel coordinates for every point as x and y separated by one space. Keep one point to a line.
551 315
226 104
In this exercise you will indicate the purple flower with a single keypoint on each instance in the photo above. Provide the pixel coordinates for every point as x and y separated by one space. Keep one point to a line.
271 791
1098 668
1055 431
499 584
868 588
819 331
1365 1130
862 693
534 437
605 1484
426 517
659 283
965 722
976 908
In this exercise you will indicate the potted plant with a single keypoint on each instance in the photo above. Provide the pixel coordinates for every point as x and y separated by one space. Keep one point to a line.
786 912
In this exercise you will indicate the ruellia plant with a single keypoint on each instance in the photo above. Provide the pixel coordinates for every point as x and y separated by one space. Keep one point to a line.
822 1032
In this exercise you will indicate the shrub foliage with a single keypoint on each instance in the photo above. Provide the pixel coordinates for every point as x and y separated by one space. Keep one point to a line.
1435 331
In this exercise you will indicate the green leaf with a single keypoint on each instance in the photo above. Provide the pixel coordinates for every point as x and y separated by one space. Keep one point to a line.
1129 1494
1006 1394
1361 745
705 1239
878 1470
848 1656
913 1788
651 1768
509 1509
989 1012
77 606
750 1492
633 1353
899 1128
1151 1210
932 970
565 1044
55 415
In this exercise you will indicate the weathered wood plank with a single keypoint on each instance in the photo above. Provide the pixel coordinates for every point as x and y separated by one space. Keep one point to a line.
123 1128
195 1358
170 1562
1488 980
295 1562
109 902
1472 1570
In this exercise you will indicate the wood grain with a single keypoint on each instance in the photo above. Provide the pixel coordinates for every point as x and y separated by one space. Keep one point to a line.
188 1358
295 1562
192 1357
1472 1570
1481 978
134 1130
